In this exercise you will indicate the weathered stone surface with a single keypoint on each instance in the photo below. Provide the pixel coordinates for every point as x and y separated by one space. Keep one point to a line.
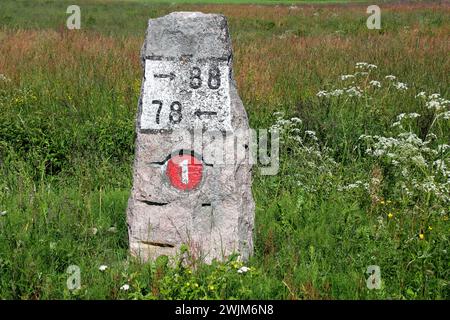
216 218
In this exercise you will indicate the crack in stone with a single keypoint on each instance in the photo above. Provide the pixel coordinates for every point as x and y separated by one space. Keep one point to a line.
158 244
153 203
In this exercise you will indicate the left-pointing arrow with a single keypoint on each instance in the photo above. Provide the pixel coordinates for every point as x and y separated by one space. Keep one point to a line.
162 75
200 113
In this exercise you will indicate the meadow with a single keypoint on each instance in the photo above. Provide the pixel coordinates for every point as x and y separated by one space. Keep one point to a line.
365 158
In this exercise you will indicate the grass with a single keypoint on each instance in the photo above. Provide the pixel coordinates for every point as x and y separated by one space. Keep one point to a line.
67 146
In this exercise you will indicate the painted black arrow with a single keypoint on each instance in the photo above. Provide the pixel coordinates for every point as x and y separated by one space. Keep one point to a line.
199 113
162 75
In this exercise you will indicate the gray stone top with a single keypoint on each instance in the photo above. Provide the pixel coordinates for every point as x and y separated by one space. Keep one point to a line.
191 34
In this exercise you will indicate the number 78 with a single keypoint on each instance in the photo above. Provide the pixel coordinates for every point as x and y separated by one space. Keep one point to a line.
175 115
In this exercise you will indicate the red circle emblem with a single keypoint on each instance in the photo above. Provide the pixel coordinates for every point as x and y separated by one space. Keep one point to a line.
184 171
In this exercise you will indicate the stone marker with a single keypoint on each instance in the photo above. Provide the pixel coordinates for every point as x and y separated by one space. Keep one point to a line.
182 194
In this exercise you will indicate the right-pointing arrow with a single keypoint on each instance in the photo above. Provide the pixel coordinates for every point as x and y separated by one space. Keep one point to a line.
161 75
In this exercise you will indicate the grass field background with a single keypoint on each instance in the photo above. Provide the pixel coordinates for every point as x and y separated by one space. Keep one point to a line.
340 203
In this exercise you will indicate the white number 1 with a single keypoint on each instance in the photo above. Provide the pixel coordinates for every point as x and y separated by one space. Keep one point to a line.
184 171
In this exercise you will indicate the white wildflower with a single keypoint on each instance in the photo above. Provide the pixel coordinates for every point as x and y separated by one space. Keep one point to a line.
431 136
445 115
311 134
365 65
421 94
125 287
337 92
441 166
391 77
278 114
411 138
419 161
434 104
296 120
434 96
243 269
437 103
401 86
103 268
3 213
4 78
375 83
354 92
405 172
347 76
391 155
275 127
413 115
356 185
322 93
378 152
443 148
